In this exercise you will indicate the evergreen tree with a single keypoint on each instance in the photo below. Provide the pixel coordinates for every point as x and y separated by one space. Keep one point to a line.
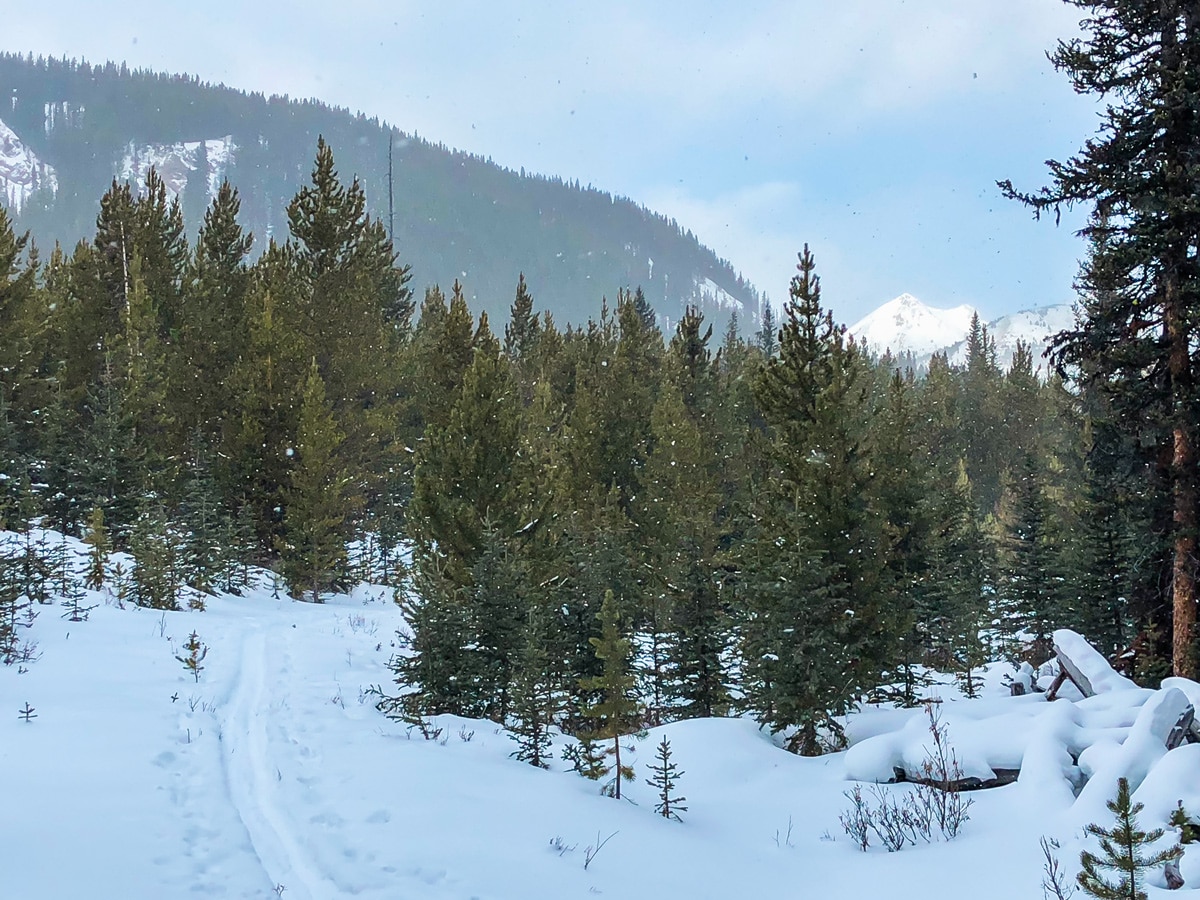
768 335
1033 582
522 329
204 519
533 696
319 499
96 538
156 548
1122 849
666 774
813 571
1141 174
616 711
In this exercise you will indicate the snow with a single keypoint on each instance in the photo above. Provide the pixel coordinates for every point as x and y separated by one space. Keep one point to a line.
21 172
174 163
710 294
906 325
275 769
1034 327
1098 675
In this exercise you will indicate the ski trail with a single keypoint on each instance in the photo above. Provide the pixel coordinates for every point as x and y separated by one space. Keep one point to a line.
252 779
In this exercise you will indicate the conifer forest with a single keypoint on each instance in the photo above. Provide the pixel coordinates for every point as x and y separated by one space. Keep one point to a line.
774 520
324 576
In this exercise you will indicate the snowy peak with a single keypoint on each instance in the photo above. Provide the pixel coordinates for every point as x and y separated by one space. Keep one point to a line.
22 174
906 325
1034 327
200 164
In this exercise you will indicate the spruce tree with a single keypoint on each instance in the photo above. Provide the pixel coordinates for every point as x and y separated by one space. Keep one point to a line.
664 779
1137 328
812 572
617 710
1122 850
157 550
319 499
96 538
533 700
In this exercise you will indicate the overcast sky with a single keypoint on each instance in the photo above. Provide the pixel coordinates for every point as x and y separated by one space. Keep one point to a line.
873 130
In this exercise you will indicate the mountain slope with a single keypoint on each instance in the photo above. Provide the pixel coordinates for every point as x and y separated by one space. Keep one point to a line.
22 174
456 215
906 326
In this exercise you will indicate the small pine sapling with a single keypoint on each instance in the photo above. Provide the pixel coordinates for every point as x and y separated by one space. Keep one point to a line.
195 655
665 776
586 757
27 714
98 550
617 711
532 698
1122 852
1189 831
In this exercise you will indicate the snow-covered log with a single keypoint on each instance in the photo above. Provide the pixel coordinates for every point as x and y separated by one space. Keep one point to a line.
1083 664
1163 718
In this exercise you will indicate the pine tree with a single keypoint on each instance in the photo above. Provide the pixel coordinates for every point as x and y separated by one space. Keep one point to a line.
319 499
768 337
1032 599
666 774
98 549
156 548
1122 852
1137 328
814 567
204 520
616 711
533 700
522 329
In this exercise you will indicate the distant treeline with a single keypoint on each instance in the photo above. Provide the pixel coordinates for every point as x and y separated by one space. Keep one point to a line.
457 215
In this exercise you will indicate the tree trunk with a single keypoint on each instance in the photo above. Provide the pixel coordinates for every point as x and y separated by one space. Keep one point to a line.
1183 487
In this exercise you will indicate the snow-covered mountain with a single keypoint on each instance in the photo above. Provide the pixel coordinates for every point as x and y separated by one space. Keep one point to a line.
906 325
1032 326
21 172
177 163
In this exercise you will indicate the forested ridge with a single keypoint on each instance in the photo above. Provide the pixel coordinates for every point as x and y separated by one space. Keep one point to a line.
608 526
457 215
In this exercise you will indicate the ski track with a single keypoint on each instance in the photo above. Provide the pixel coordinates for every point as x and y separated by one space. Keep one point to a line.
251 778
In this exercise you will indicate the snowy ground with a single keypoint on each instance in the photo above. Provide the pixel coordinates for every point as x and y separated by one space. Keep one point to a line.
274 774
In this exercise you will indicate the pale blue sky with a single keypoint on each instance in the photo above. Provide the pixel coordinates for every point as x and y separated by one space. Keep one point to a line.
872 129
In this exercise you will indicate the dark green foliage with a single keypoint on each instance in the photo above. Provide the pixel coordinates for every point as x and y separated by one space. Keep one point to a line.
319 498
1122 851
1032 586
665 776
616 710
813 573
96 538
157 550
1136 334
1189 831
533 699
